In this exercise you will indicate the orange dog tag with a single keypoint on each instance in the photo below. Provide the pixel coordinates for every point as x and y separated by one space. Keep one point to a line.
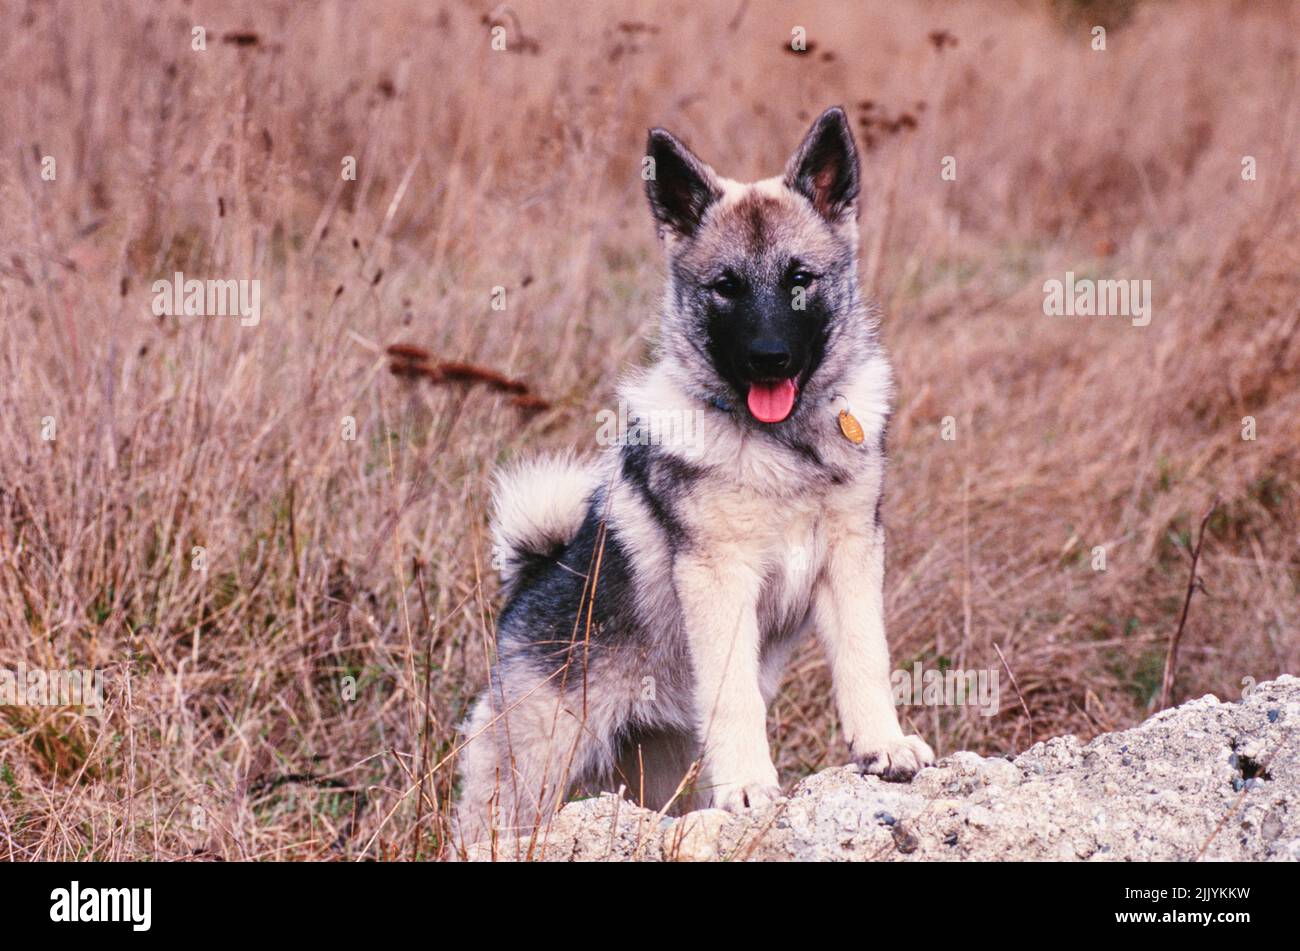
851 428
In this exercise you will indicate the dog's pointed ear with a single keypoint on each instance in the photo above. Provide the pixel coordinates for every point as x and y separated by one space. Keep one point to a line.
680 187
824 169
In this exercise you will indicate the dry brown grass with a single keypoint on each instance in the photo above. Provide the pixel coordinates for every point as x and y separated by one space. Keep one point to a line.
226 734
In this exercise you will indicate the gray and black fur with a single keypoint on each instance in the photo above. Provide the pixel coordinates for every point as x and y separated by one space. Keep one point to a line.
653 594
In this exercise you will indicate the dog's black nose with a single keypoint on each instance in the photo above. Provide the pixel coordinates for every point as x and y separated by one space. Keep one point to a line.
768 359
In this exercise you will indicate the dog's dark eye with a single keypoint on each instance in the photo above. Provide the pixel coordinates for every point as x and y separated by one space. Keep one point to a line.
801 277
728 286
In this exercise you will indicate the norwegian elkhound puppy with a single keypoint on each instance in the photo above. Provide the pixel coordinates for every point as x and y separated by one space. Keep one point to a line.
653 595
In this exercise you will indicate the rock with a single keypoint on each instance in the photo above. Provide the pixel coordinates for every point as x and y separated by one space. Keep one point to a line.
694 837
1163 790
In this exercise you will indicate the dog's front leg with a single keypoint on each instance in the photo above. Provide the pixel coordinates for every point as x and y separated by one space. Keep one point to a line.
849 614
719 601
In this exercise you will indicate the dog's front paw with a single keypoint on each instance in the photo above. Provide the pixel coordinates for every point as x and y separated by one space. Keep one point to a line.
896 760
735 797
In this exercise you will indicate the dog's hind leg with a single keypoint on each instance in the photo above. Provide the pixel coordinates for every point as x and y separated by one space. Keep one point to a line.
480 773
523 749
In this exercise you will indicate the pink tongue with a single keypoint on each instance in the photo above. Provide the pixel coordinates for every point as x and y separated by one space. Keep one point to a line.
771 402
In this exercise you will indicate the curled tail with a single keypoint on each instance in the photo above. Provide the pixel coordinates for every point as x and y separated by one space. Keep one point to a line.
539 506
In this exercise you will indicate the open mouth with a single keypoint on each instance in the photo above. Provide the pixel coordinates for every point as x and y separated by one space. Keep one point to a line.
771 402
